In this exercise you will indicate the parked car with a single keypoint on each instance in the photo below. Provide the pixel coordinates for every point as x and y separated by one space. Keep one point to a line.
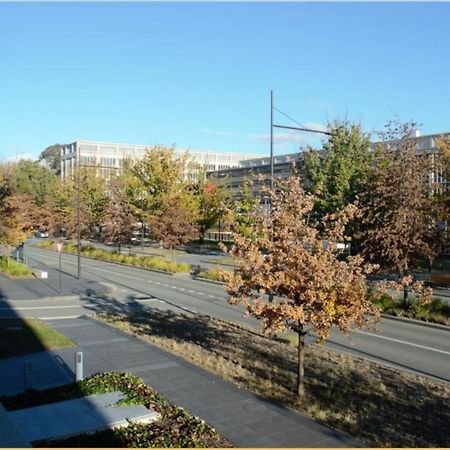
42 234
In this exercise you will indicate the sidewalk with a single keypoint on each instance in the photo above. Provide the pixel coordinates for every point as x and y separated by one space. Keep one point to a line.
35 288
244 418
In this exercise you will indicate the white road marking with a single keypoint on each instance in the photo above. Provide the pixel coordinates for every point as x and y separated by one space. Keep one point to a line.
146 300
192 292
23 308
200 293
59 317
211 296
402 342
182 289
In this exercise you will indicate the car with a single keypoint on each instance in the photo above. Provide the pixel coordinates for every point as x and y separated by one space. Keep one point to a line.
42 234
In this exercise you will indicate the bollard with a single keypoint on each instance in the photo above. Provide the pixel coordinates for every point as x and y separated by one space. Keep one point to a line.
27 375
79 366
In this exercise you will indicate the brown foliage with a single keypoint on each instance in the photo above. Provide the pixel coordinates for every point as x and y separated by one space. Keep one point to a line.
283 257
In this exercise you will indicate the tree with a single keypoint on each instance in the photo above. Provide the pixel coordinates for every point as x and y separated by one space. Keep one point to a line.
336 174
283 255
211 203
52 156
244 206
117 220
398 206
174 224
156 176
35 180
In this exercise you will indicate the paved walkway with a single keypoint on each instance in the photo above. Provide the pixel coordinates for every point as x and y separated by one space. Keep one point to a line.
246 419
35 288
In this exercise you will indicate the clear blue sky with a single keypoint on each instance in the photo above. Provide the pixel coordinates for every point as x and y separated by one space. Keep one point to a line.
199 74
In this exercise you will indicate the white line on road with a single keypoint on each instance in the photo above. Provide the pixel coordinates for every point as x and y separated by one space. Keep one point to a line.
48 307
402 342
59 317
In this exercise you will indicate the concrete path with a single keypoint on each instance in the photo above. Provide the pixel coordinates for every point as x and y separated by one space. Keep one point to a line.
78 416
246 419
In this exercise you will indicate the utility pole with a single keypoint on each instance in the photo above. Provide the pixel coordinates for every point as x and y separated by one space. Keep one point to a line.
271 140
78 212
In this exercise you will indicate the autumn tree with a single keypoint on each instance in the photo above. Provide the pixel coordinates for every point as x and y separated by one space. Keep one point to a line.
283 255
117 220
397 206
174 223
212 198
244 205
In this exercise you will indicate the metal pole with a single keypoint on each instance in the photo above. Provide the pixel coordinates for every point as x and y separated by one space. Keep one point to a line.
271 139
60 281
142 225
78 211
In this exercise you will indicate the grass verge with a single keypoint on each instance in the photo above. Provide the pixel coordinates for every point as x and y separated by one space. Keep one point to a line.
13 268
146 262
23 336
176 428
381 406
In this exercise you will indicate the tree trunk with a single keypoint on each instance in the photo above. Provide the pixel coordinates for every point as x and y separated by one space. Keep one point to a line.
173 253
301 359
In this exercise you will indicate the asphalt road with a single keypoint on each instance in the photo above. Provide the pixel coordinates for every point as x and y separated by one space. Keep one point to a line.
408 346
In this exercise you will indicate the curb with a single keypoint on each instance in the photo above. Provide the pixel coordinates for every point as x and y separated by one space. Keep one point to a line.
416 322
222 283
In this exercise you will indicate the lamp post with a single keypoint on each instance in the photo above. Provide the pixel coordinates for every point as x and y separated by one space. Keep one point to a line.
78 214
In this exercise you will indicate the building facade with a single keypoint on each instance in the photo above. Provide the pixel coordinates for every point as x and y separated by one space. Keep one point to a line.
109 157
234 178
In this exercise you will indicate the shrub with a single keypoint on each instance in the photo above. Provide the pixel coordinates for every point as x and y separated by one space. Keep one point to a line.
13 268
212 274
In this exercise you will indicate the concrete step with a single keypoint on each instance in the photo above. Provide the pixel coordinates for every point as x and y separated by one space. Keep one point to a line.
78 416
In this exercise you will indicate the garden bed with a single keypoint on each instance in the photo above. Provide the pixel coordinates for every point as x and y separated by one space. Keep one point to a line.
175 428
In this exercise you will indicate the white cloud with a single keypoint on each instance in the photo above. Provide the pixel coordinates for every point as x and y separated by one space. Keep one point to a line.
217 133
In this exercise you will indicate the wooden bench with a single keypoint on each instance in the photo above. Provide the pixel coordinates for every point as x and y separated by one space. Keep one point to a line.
441 280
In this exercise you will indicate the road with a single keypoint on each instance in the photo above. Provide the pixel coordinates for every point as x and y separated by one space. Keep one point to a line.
417 348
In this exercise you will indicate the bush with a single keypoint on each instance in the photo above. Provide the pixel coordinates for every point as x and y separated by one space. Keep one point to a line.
212 274
13 268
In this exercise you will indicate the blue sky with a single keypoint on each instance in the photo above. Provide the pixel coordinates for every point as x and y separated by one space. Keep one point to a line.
199 74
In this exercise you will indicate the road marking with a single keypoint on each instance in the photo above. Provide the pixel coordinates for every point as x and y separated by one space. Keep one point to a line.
211 296
402 342
182 289
48 307
200 293
147 300
149 281
59 317
192 292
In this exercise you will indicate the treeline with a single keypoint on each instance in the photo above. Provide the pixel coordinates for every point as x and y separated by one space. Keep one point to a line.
398 207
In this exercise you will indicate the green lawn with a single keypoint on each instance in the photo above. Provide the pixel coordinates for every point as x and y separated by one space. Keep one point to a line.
24 336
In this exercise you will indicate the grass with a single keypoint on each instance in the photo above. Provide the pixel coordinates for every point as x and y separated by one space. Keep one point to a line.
175 428
146 262
24 336
379 405
14 269
436 311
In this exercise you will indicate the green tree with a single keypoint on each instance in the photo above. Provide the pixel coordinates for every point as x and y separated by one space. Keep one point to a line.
35 180
52 156
336 174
